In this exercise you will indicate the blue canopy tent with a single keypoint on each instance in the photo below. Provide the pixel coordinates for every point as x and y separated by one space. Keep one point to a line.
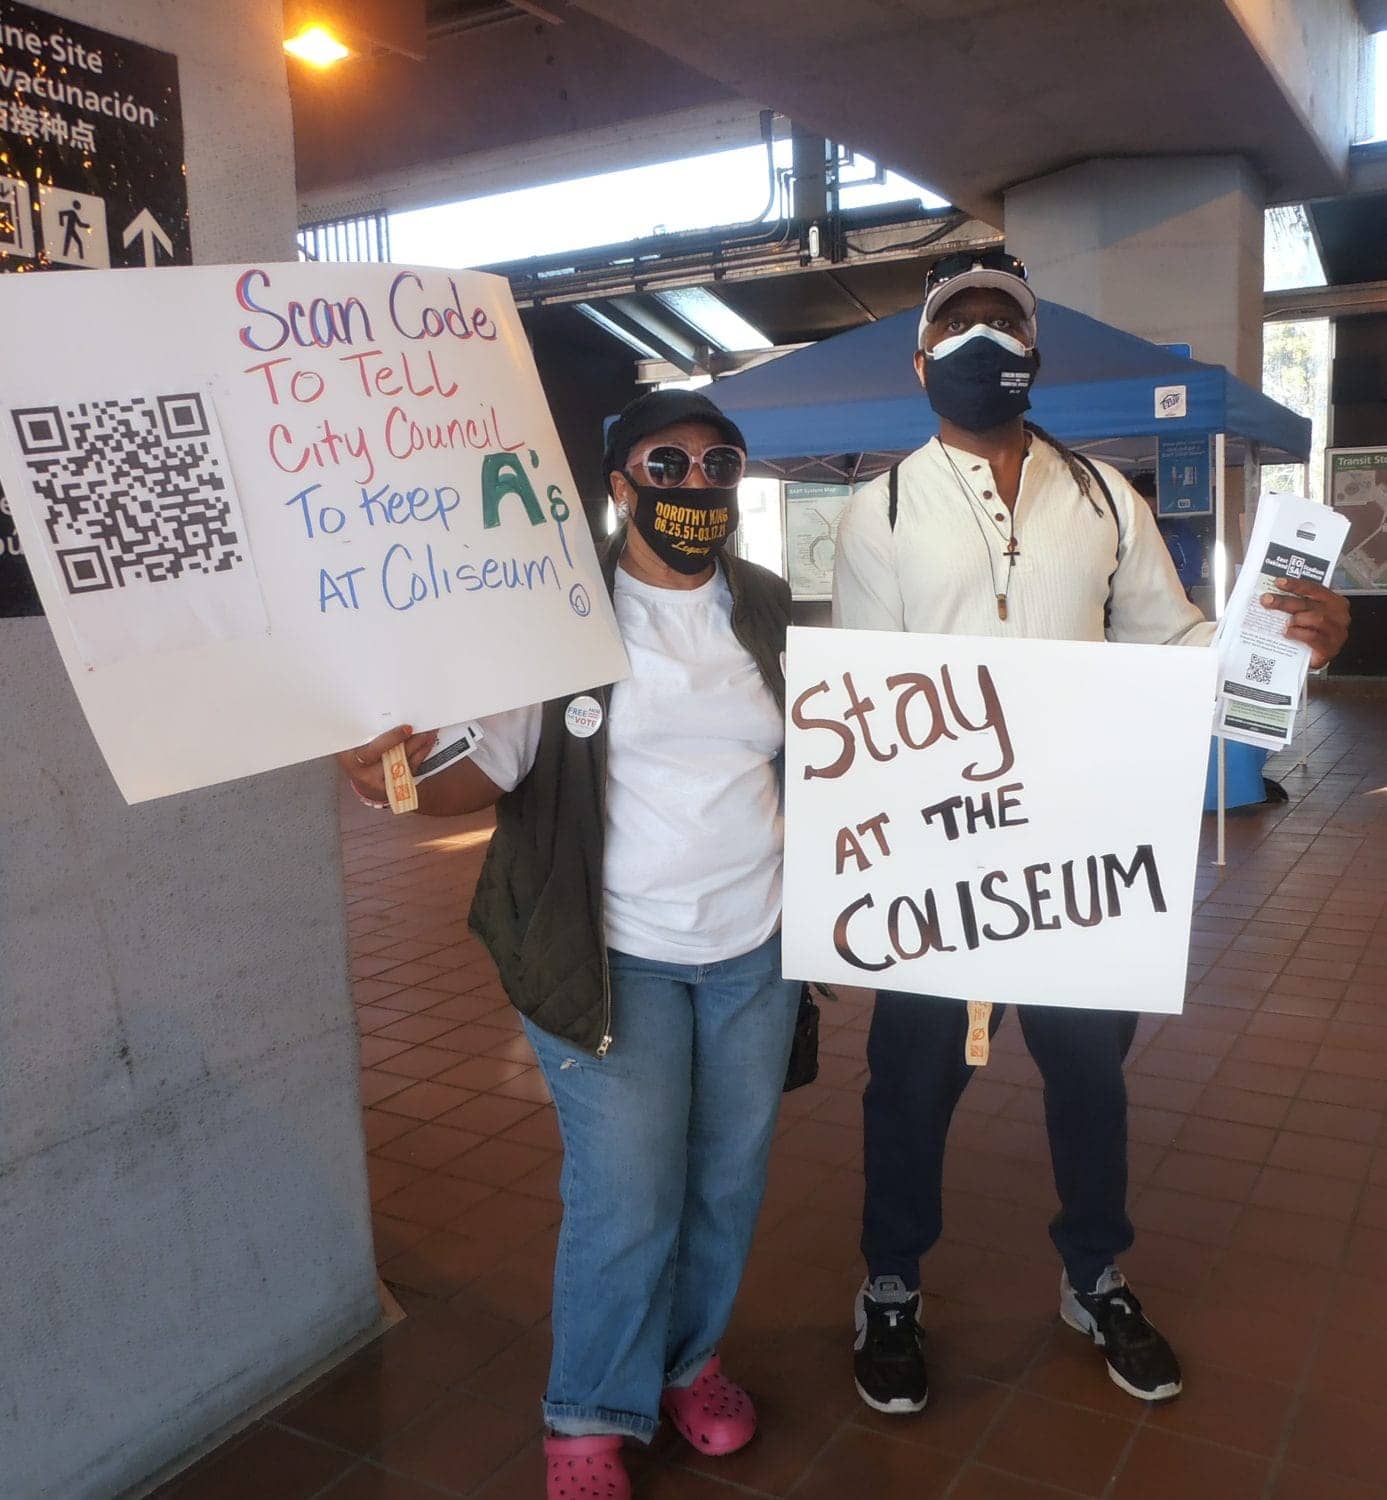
843 408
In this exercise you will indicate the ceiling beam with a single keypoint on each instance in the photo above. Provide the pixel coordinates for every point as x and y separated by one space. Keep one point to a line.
657 371
524 163
1354 301
540 12
650 265
637 323
526 97
973 98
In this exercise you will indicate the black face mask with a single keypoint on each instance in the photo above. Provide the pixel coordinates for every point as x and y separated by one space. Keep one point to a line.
980 384
684 527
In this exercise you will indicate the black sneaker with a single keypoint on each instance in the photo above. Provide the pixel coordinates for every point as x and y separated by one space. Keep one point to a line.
888 1359
1139 1359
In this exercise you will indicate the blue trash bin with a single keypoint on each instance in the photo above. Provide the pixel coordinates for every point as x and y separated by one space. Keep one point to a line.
1242 772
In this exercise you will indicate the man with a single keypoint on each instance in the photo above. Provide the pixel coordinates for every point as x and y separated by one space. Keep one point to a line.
994 529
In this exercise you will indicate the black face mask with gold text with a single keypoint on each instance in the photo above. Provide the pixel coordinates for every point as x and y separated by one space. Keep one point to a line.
685 527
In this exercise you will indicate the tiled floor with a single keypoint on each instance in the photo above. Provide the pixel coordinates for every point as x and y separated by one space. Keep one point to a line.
1259 1164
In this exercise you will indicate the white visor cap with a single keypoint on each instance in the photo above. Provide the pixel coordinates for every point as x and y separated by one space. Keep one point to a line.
1002 281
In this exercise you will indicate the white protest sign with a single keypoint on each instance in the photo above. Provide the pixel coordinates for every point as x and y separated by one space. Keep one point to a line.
272 511
1005 821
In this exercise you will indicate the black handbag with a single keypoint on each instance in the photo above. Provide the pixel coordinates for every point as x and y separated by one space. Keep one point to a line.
804 1049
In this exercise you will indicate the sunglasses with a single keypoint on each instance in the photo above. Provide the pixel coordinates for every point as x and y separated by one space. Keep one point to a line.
949 266
668 465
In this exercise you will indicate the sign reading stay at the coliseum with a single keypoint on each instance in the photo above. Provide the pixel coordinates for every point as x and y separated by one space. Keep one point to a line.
91 173
1003 820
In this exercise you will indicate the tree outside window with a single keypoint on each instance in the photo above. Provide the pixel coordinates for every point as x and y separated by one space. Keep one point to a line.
1295 371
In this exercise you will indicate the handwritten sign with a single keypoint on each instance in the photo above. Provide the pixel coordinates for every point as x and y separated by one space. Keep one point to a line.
992 820
273 510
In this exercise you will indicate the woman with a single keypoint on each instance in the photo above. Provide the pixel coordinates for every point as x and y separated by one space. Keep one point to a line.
631 901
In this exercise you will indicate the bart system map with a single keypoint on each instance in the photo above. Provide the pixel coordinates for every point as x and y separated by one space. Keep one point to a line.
1357 489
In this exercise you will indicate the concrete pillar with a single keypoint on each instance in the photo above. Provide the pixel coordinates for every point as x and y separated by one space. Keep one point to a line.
183 1213
1167 248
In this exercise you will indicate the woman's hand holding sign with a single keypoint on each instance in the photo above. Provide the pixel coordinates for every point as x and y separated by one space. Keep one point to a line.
363 766
1319 616
459 788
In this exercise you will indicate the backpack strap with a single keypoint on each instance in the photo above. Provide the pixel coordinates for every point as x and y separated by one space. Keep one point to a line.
893 495
1093 469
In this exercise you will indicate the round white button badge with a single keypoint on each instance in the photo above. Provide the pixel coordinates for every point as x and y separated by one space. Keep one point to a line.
583 716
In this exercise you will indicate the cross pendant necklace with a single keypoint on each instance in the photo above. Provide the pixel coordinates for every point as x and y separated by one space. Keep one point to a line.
1011 552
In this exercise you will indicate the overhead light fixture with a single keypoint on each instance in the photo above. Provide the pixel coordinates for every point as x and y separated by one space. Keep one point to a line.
316 46
323 32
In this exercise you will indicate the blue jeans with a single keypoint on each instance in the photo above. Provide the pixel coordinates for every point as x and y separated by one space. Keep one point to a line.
665 1147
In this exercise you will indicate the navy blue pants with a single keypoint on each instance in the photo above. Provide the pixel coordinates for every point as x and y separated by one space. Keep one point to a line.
918 1074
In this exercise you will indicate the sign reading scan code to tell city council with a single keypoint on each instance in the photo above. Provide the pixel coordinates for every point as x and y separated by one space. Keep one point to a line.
1005 821
275 510
91 173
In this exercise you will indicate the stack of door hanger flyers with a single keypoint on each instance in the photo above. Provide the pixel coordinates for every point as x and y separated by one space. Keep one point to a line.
1261 672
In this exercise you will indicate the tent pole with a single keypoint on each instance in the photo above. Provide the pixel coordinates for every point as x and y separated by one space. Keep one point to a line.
1301 724
1221 858
1220 600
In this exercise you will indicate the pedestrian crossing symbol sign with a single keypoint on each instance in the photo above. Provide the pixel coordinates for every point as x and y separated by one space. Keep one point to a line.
74 228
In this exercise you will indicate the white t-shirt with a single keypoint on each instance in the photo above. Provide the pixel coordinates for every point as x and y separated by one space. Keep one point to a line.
692 872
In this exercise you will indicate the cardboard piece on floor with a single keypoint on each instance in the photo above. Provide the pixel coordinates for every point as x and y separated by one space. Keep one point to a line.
1018 819
274 511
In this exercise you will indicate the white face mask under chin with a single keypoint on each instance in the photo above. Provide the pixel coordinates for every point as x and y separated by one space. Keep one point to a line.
978 331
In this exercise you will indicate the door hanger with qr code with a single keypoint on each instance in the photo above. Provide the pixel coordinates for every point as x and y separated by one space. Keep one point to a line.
91 177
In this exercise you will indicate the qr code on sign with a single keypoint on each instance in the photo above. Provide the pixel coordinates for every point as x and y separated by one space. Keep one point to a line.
1261 669
132 490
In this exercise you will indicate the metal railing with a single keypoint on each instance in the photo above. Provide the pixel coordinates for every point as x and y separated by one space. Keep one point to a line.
364 237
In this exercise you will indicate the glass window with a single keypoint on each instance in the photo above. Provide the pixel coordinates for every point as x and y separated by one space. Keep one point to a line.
698 192
759 537
1377 87
1291 258
1295 372
864 183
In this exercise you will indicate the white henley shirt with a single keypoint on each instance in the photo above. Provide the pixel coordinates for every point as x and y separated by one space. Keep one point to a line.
941 570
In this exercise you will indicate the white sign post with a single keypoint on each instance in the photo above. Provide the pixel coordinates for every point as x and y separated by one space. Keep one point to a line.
272 511
991 820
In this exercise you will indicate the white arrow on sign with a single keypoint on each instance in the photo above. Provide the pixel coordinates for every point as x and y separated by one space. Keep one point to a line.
145 227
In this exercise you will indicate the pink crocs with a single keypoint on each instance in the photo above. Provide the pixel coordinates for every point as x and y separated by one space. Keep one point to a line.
712 1414
585 1468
